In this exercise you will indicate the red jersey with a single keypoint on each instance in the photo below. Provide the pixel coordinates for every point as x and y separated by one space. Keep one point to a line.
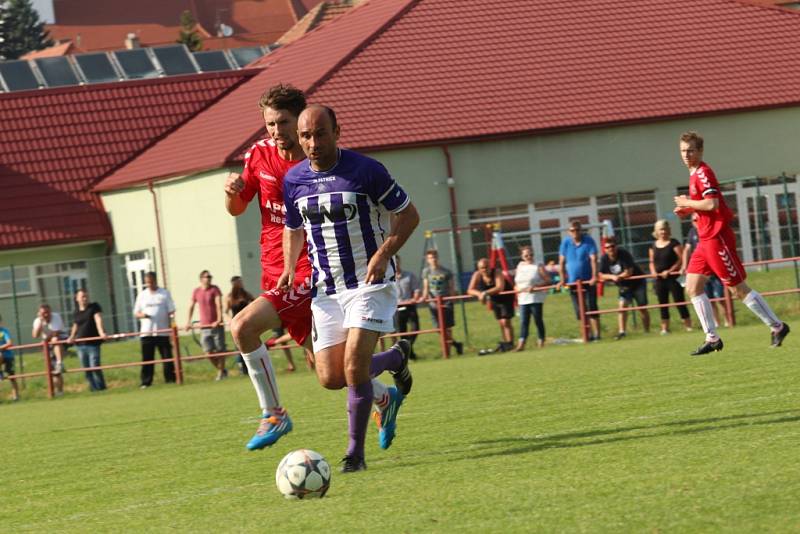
263 174
703 184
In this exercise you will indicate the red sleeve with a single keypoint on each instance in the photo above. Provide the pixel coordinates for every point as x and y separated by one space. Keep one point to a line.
707 183
249 175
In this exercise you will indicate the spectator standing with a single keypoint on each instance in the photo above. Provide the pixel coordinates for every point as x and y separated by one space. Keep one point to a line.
577 260
208 299
666 256
488 284
88 323
155 309
617 265
437 280
8 359
49 327
713 287
528 276
236 301
409 293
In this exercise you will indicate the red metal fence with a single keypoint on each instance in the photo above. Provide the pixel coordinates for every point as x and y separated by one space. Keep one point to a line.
177 358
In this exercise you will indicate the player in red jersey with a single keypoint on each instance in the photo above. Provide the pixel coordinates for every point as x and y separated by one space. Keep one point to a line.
265 165
716 251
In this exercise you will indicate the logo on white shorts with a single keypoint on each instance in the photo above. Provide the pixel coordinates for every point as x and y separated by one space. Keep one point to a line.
372 320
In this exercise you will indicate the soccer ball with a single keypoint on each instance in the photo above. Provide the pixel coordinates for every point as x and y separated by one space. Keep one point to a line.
303 474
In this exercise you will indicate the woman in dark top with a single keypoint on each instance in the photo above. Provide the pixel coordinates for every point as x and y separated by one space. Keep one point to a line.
666 254
489 283
87 323
236 301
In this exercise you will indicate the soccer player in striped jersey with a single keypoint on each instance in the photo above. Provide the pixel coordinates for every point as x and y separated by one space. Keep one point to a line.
716 251
343 201
265 165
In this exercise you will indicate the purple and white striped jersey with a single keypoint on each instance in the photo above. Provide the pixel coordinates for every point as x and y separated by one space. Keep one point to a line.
344 212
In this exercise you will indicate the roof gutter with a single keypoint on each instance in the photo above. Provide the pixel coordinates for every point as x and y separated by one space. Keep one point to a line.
158 234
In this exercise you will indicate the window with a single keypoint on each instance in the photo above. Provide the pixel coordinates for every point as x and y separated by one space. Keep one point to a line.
58 282
21 281
632 215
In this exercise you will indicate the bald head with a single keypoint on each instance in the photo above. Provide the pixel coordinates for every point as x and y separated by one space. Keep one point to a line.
318 133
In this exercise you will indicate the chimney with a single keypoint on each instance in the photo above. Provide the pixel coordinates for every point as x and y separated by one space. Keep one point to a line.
132 41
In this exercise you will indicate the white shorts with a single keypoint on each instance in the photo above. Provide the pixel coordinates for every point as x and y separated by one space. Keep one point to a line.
368 307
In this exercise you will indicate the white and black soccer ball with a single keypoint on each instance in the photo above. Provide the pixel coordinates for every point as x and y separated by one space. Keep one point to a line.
303 474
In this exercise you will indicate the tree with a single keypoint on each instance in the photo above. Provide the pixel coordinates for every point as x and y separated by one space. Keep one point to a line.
21 31
188 35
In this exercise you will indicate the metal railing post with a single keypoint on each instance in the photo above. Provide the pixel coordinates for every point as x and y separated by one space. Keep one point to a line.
176 355
442 327
582 312
48 369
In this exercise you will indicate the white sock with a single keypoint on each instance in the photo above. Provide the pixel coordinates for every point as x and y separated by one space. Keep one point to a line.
759 306
706 316
262 375
380 395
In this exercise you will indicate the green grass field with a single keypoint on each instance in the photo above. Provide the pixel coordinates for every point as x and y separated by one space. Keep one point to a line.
613 436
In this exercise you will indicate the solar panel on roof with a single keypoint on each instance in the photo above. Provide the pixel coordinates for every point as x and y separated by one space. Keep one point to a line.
175 60
136 63
245 55
96 67
212 60
18 75
57 71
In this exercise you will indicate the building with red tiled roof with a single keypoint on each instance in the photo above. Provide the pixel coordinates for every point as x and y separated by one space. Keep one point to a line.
528 114
320 14
55 145
100 25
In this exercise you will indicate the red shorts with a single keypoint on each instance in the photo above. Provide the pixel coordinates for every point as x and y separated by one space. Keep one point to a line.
718 256
294 309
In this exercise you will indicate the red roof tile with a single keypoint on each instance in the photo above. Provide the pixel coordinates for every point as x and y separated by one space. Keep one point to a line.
226 128
102 25
55 144
435 71
322 13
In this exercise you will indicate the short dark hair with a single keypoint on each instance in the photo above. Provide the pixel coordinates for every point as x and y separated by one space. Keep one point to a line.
283 96
204 272
693 137
432 252
611 240
151 274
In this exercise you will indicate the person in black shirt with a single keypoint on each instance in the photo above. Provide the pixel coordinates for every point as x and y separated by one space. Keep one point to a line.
88 323
666 256
617 265
487 284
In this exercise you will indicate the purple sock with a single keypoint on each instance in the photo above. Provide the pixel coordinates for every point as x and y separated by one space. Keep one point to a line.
359 404
390 360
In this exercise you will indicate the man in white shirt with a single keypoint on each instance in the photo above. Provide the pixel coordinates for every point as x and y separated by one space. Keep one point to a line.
49 326
155 309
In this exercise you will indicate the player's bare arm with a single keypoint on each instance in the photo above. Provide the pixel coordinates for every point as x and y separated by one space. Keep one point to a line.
234 203
403 224
292 246
683 202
